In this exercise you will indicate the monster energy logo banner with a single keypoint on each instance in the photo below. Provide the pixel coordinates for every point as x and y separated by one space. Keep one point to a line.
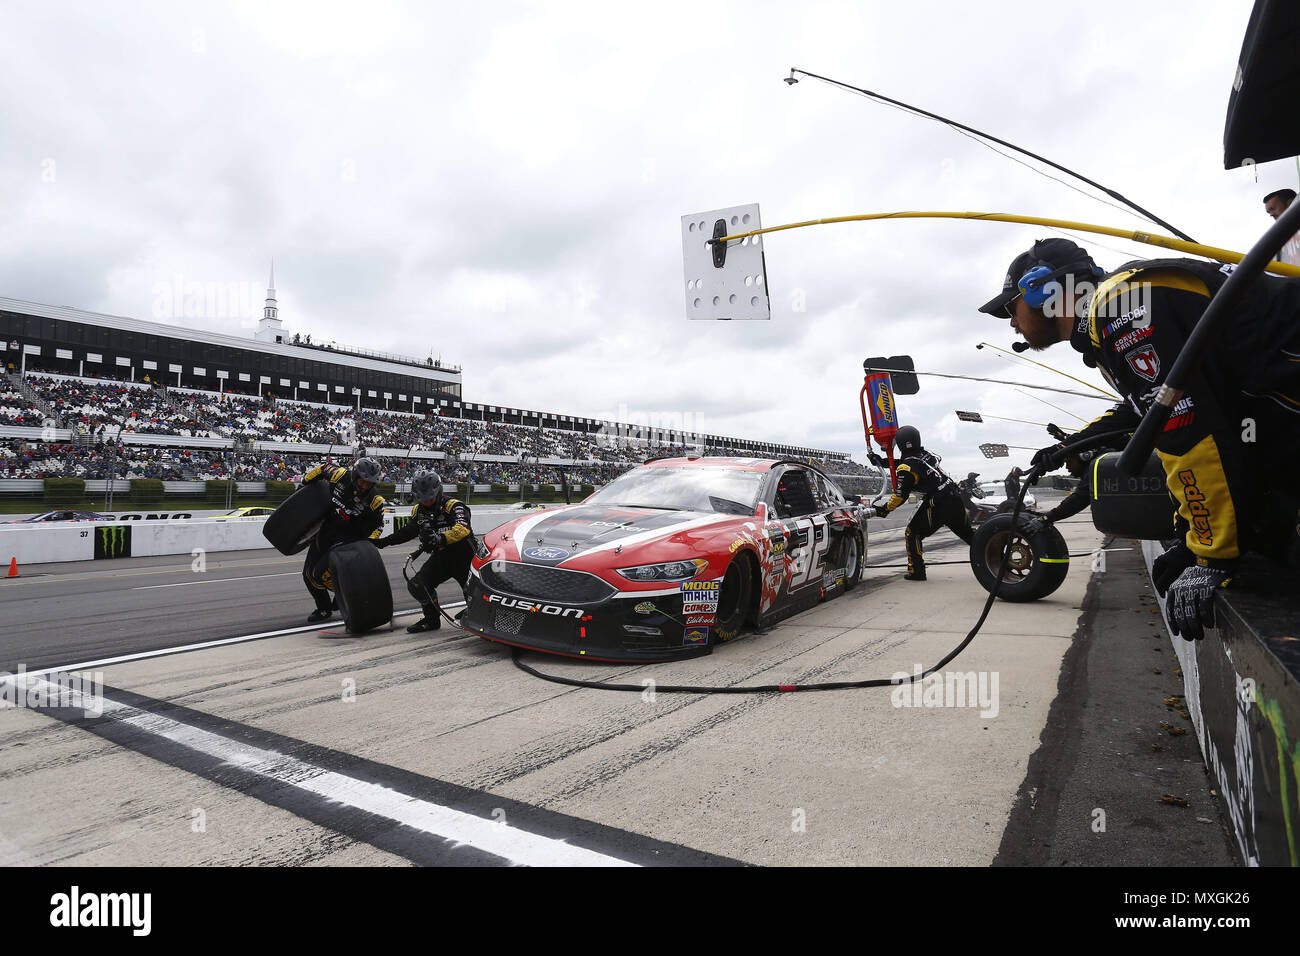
399 521
113 541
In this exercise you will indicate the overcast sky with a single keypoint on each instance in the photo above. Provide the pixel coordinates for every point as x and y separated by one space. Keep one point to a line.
501 185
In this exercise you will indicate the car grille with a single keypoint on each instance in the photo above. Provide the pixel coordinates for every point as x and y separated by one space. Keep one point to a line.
550 584
507 621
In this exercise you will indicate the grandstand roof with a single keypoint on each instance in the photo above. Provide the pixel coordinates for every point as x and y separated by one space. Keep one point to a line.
308 353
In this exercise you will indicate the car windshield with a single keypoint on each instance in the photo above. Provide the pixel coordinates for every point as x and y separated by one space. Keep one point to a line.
696 488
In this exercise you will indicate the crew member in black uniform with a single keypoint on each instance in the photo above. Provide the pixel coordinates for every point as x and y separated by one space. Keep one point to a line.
1231 447
1080 496
356 512
443 527
918 470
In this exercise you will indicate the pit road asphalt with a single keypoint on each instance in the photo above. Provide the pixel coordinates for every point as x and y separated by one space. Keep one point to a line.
449 725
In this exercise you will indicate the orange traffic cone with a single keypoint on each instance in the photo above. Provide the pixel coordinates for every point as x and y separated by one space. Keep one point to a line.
13 568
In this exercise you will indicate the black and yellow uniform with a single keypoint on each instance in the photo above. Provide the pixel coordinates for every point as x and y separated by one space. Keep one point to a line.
1231 448
943 506
354 515
444 530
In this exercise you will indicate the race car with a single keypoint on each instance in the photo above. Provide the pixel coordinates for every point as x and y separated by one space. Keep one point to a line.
667 560
61 515
245 513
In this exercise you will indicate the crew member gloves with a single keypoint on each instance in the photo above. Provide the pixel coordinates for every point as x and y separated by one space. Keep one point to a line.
1051 458
1166 568
1193 584
882 511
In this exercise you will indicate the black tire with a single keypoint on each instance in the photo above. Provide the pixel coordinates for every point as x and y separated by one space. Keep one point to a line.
1038 563
849 556
361 586
734 597
291 526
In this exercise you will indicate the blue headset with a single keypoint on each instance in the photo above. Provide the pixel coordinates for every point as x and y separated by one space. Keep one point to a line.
1038 285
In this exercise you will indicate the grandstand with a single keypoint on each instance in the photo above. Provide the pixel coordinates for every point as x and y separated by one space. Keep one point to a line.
97 396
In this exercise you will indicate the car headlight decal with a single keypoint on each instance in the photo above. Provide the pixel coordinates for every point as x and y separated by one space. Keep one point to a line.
668 571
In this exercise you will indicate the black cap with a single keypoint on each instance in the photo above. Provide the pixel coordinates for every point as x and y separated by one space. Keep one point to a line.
1053 253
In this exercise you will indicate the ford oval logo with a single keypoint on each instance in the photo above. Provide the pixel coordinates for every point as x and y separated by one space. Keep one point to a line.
546 554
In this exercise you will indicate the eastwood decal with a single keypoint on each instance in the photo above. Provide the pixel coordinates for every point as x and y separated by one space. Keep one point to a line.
546 554
1196 506
1145 362
695 635
113 541
533 607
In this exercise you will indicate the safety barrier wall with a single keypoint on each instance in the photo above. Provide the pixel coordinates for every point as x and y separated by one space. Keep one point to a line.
106 540
1242 693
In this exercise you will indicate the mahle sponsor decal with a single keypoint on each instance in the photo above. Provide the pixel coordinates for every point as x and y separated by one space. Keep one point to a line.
1197 507
533 607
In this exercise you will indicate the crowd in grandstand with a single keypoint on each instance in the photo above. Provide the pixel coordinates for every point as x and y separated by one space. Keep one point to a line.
100 412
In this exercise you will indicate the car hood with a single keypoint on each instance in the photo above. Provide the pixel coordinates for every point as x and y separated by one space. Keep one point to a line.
553 537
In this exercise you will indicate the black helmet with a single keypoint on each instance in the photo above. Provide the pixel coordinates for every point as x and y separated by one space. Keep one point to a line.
426 485
907 439
1078 464
367 469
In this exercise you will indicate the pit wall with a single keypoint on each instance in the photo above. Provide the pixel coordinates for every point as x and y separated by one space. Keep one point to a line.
1244 700
101 540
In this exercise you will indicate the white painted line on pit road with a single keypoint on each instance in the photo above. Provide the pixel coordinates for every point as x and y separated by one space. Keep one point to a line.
490 836
186 584
204 645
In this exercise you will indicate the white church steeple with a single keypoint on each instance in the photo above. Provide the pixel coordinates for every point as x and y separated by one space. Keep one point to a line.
269 328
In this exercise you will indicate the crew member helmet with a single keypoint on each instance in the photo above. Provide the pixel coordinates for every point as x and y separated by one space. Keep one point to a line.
907 440
367 469
426 485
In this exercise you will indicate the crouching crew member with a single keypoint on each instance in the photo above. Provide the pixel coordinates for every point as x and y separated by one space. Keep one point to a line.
443 527
943 505
356 512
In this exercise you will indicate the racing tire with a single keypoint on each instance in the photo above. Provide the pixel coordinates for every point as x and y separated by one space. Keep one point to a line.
849 557
295 522
734 598
361 586
1038 563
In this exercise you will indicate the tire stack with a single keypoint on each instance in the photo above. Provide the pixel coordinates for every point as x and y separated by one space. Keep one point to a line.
360 580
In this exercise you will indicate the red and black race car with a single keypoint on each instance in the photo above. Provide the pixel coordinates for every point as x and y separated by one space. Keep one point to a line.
668 559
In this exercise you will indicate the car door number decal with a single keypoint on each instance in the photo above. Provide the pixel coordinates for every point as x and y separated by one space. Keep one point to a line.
809 558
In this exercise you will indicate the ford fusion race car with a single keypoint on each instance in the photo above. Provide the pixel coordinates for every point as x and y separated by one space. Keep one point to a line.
667 560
